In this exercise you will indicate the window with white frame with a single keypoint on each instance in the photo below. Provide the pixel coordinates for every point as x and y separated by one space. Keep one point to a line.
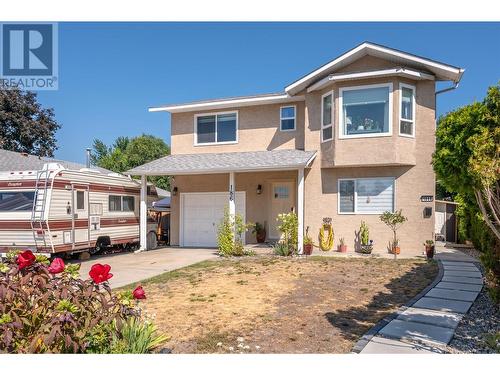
366 111
407 113
216 128
327 117
121 203
287 118
366 195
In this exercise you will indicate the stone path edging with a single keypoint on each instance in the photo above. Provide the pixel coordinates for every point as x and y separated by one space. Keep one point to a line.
427 323
365 339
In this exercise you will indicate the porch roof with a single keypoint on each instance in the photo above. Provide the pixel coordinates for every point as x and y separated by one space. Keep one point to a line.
205 163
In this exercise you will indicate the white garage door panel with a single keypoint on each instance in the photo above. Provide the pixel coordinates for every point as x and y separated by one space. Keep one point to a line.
202 213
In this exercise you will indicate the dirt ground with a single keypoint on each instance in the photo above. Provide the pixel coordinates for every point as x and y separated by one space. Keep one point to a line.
280 305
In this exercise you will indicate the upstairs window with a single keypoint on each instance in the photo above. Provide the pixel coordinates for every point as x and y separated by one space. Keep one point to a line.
218 128
407 120
366 111
287 118
327 117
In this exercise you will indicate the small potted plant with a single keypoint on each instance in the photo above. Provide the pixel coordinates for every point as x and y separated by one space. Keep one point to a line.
395 247
308 243
342 246
364 234
429 249
260 232
394 220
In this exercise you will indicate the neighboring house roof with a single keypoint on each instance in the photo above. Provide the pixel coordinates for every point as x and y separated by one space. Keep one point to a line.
17 161
162 192
439 71
182 164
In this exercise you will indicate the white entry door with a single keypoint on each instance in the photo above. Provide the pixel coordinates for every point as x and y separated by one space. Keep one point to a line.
201 214
282 201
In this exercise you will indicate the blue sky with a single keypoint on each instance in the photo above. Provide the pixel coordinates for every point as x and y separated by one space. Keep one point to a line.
110 73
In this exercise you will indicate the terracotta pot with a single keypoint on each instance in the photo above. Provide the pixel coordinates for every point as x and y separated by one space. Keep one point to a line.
396 250
261 236
308 249
429 251
342 248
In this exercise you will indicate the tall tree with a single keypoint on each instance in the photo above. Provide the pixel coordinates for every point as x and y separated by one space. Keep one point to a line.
127 153
25 126
467 157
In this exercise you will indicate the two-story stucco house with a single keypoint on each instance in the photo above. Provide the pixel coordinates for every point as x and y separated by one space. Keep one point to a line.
348 141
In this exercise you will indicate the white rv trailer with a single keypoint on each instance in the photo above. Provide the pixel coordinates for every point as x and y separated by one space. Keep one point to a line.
55 210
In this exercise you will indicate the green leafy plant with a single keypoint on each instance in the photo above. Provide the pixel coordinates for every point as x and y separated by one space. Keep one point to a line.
46 309
288 226
307 238
393 220
230 235
364 233
282 249
258 228
429 243
136 337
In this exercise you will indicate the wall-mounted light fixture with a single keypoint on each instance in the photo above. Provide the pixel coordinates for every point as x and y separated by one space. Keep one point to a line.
174 191
259 189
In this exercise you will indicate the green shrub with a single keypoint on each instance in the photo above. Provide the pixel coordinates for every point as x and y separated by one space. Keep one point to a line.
282 249
136 337
229 241
288 226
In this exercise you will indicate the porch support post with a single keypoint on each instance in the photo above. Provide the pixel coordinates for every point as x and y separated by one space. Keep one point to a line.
143 214
232 198
300 210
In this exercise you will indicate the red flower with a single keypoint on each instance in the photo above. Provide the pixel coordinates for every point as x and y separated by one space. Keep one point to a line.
57 266
139 293
100 273
25 259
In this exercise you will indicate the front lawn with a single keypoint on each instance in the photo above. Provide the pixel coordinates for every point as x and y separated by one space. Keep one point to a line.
280 305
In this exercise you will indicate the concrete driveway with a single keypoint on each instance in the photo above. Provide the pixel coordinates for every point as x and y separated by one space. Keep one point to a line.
130 268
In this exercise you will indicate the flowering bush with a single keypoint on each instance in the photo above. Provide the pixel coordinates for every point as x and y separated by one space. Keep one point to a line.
46 308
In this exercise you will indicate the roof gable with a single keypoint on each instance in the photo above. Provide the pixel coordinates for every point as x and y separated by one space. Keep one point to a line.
443 72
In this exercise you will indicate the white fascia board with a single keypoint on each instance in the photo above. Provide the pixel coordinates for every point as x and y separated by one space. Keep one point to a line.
402 72
455 74
230 103
217 170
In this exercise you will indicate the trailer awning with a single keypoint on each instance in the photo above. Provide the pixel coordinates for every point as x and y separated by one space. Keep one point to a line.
206 163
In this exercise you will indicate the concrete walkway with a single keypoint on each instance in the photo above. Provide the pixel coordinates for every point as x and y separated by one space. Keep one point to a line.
429 324
128 268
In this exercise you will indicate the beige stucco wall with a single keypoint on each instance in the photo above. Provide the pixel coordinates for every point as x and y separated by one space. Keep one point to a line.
406 159
257 205
258 129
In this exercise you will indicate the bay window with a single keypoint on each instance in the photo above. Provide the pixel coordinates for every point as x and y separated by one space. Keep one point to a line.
327 117
366 195
407 110
216 128
366 111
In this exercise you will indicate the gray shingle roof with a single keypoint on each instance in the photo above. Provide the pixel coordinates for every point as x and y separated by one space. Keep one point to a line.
15 161
225 162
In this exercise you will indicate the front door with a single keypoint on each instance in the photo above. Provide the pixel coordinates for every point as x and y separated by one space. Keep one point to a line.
282 201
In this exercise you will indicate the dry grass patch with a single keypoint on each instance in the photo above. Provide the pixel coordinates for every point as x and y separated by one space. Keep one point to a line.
280 305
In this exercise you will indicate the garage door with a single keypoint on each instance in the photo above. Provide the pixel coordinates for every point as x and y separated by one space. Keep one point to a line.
200 215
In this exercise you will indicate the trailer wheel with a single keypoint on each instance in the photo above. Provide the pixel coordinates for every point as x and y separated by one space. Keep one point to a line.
152 241
101 243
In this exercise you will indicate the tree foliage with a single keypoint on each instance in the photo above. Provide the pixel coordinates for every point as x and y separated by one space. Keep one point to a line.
25 126
127 153
467 162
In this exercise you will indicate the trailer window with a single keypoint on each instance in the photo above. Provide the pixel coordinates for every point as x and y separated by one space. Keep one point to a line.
80 200
128 203
115 203
16 200
121 203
